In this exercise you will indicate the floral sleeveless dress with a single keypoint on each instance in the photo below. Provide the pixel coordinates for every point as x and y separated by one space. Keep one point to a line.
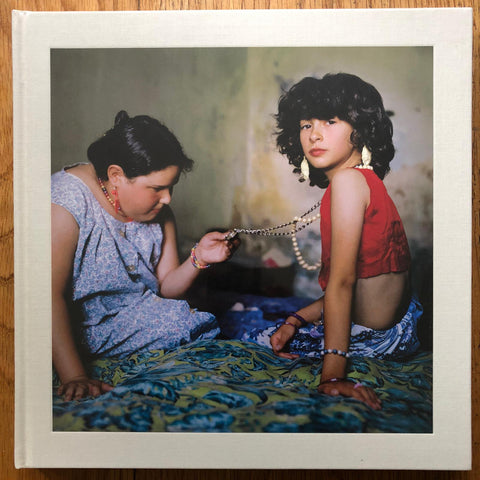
115 293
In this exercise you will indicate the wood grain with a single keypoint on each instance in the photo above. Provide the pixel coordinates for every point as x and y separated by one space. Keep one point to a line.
7 469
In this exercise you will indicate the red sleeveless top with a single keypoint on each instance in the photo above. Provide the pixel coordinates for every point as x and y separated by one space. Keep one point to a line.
383 244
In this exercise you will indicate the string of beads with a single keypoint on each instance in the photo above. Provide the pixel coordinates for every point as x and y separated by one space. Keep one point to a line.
303 220
107 195
301 261
270 231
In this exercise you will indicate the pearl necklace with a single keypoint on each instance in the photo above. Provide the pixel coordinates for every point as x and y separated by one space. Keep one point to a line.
298 254
271 231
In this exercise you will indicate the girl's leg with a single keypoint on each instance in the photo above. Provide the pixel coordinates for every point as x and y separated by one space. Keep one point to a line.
307 342
399 341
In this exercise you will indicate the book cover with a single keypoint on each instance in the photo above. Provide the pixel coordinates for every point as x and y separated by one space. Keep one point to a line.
215 77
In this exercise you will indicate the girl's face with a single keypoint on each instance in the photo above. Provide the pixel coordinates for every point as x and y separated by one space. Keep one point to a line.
141 198
327 145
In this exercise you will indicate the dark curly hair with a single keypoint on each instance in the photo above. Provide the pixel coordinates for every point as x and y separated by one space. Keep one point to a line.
140 145
340 95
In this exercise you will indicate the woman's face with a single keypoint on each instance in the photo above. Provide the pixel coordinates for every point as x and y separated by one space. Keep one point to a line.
141 198
327 144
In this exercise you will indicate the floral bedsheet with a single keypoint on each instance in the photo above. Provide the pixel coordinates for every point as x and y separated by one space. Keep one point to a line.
232 386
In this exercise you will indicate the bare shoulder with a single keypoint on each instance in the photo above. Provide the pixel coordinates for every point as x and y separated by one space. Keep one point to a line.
349 176
348 183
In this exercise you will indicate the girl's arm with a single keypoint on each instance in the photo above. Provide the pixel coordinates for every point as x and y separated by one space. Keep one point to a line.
311 313
175 278
349 200
75 382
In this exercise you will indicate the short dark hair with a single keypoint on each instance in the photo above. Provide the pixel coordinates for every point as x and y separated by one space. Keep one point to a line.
140 145
340 95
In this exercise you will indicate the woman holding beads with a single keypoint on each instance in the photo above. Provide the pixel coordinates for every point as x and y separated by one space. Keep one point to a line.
116 276
335 131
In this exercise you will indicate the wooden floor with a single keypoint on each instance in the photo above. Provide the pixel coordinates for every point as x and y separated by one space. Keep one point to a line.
7 471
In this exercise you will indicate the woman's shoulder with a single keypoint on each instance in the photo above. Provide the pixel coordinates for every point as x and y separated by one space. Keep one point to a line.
69 191
64 179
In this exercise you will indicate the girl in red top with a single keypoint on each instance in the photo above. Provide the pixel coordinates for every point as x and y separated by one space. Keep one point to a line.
337 128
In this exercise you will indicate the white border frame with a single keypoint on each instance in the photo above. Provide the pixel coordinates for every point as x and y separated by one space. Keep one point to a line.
449 31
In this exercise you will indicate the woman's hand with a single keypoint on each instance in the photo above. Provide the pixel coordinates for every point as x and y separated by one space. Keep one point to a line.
280 338
213 248
355 390
80 387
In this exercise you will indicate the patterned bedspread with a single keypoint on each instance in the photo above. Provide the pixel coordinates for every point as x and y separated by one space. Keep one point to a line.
231 386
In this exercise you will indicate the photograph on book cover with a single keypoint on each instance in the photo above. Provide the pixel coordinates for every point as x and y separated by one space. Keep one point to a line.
165 358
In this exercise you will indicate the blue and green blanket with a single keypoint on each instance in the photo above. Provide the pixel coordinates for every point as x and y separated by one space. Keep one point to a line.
232 386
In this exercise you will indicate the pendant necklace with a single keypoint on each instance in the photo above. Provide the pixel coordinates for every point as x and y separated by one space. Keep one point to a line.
303 220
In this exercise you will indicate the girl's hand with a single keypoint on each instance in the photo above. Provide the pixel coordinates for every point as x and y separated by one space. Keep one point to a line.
80 387
213 248
355 390
280 338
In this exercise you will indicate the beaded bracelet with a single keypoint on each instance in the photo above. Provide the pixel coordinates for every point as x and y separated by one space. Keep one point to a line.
298 317
286 322
335 352
195 261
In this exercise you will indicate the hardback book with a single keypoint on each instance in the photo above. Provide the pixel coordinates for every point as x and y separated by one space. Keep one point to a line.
214 78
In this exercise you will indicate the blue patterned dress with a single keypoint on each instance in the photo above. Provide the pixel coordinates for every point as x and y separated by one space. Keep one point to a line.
395 343
114 284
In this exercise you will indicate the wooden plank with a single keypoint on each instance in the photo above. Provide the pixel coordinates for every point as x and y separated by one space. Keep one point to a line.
7 469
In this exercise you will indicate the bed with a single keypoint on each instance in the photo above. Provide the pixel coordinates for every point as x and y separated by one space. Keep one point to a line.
227 385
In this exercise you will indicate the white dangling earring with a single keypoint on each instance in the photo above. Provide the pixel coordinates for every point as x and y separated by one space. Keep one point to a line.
305 170
366 159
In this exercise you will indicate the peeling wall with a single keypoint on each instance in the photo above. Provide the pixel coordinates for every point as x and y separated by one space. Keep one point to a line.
220 103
